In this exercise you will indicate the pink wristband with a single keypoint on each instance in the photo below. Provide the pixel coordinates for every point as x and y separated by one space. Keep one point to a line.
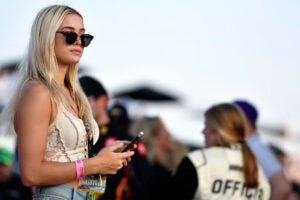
79 169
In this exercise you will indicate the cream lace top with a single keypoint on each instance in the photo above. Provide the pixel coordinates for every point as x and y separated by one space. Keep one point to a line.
67 138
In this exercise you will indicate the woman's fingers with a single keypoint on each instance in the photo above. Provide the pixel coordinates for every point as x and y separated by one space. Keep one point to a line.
113 160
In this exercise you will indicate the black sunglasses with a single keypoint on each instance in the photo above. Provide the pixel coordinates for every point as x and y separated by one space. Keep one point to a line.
72 36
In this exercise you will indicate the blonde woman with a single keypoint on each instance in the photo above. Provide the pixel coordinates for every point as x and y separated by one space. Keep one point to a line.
163 153
157 140
51 115
226 168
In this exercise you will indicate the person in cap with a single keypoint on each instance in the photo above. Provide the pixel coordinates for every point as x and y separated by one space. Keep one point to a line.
280 187
119 116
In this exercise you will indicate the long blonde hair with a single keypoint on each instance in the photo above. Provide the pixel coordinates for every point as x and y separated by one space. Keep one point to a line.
40 64
229 123
151 126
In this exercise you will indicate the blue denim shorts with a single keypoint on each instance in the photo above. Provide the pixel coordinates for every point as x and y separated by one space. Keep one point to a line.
58 192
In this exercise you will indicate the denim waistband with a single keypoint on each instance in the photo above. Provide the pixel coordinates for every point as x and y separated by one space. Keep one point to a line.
63 192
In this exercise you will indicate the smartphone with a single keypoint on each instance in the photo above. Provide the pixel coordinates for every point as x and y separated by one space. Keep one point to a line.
133 141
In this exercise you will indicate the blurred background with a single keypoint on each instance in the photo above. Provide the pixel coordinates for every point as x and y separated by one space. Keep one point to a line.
194 53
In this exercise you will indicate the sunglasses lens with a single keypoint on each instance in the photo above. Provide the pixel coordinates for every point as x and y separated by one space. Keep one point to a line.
71 38
86 39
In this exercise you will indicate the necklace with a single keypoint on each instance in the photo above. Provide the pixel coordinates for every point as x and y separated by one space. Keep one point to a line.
68 101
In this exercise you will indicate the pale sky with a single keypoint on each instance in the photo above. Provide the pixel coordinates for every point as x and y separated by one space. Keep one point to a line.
205 51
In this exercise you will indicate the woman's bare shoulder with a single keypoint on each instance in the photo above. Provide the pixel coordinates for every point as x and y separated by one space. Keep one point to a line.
35 90
34 101
34 96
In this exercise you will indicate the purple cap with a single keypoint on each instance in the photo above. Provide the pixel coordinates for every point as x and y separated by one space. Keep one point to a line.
249 110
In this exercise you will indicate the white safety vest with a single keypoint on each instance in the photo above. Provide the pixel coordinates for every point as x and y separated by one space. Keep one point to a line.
220 177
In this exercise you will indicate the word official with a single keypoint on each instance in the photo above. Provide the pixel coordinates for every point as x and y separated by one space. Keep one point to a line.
236 188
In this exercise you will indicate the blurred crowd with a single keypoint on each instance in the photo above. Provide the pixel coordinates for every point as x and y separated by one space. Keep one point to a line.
157 156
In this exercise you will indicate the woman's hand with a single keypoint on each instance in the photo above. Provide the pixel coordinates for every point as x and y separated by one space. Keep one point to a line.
126 143
110 159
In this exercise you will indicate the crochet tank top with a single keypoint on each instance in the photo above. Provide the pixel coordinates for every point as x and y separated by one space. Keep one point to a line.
67 138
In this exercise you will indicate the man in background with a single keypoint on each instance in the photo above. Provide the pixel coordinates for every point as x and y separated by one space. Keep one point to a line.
127 183
280 187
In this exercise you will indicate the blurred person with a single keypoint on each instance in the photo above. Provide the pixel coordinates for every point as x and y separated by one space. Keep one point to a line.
127 183
156 139
52 117
280 187
119 116
161 152
282 158
11 186
7 80
279 153
226 168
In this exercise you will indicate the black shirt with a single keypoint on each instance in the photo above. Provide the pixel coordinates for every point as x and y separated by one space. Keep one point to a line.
183 184
129 181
